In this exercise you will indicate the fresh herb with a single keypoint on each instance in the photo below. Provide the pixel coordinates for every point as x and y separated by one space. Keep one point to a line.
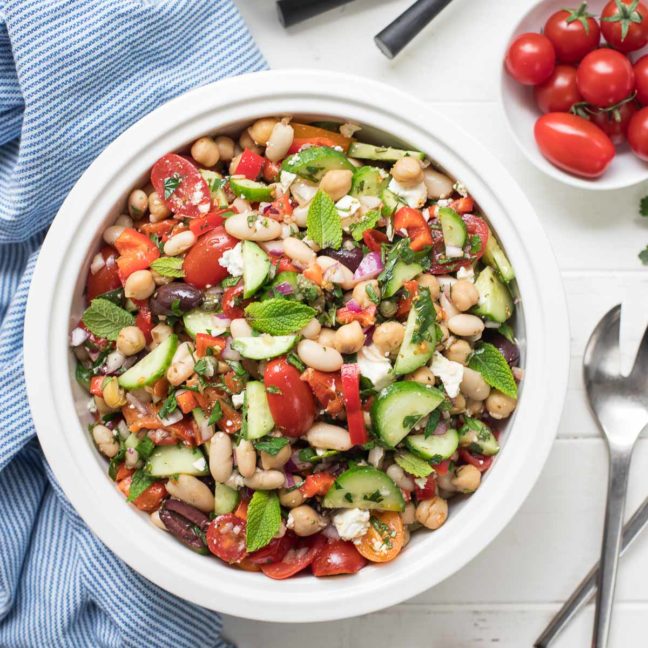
401 251
105 319
272 389
643 255
279 316
383 530
506 330
411 420
425 330
83 375
432 422
263 519
371 293
368 222
158 242
413 465
348 497
215 184
271 445
169 406
115 462
175 308
294 360
145 448
168 267
203 368
367 388
216 414
237 368
171 184
436 459
643 206
374 497
229 282
306 290
475 243
115 296
139 483
323 224
492 365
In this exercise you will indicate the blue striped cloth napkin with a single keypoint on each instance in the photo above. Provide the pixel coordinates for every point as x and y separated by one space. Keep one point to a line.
73 75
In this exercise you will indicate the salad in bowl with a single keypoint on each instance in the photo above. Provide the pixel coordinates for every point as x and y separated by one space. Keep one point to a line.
298 347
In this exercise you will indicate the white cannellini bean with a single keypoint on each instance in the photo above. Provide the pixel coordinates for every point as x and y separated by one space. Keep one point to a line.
319 357
241 205
259 228
299 215
155 520
266 480
179 243
124 221
182 364
220 457
298 251
191 490
112 233
329 437
240 328
105 441
269 462
280 140
246 458
336 272
465 325
400 478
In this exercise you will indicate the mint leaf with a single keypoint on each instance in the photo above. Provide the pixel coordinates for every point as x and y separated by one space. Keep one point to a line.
263 519
271 445
490 363
139 483
413 465
643 255
323 224
168 267
643 206
368 222
279 316
105 319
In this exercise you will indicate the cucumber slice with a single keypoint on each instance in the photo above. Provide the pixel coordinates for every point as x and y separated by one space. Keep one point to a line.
368 181
200 321
495 257
391 202
226 499
312 163
132 441
412 355
437 448
264 346
399 407
250 189
259 418
401 273
382 153
453 228
177 460
477 437
256 266
215 182
495 302
202 422
151 366
365 488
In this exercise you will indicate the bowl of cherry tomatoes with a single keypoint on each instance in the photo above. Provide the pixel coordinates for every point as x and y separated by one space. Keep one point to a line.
574 89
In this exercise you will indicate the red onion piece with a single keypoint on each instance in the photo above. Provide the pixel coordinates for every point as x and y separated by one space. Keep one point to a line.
284 288
289 481
136 403
228 353
370 267
175 417
353 306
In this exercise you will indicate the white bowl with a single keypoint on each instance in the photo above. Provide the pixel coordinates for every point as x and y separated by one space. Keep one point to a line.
59 405
521 111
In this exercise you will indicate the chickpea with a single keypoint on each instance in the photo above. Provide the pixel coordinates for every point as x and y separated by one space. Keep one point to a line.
261 130
161 280
474 407
409 514
205 151
305 521
431 283
290 498
437 184
444 483
279 460
336 183
105 440
432 513
362 296
326 337
124 221
407 172
130 340
158 211
388 336
464 295
458 404
225 148
473 385
423 375
137 204
113 394
467 479
139 285
398 476
349 338
499 405
459 352
246 142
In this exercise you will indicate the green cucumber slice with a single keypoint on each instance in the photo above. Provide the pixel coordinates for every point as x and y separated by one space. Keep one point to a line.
215 182
399 407
391 202
250 189
200 321
366 488
177 460
495 301
151 366
437 448
312 163
259 417
412 355
368 181
383 153
495 257
453 228
256 266
264 346
401 273
477 437
226 499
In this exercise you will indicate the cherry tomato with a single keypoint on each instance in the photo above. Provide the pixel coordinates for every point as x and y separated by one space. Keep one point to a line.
226 538
605 78
180 186
327 388
200 226
624 24
573 33
412 221
385 537
428 491
559 92
614 123
530 59
337 557
96 385
292 404
201 265
273 552
641 79
574 144
638 134
232 302
144 319
297 558
205 341
480 462
106 278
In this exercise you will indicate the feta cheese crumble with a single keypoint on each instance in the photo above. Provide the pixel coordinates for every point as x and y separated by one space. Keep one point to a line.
373 365
238 399
414 196
232 260
466 273
347 206
450 373
351 523
286 179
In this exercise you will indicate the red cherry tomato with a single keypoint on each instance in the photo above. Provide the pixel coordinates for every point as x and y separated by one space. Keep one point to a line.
179 184
614 123
232 303
428 491
624 24
296 559
573 33
574 144
480 462
337 557
412 221
226 538
559 92
106 278
273 552
292 404
641 80
201 265
136 252
144 319
638 134
605 78
530 59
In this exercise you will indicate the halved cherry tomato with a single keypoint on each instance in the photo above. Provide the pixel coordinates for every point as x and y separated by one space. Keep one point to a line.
226 538
605 77
624 24
385 537
201 265
273 552
150 499
481 462
327 388
143 319
337 557
205 341
530 59
573 33
250 164
559 92
136 252
106 278
296 559
279 208
204 224
366 316
428 491
374 239
283 264
186 401
307 134
292 404
180 186
412 221
317 484
410 290
353 405
232 302
96 383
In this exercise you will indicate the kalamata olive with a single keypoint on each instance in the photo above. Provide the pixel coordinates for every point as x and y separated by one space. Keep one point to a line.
174 297
187 511
187 526
350 258
509 350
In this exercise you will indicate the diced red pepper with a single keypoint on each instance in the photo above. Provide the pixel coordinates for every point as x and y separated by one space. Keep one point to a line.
284 264
412 221
136 251
271 171
250 165
463 205
95 385
205 341
209 222
443 467
161 229
355 416
428 491
143 319
279 208
317 484
186 401
374 239
327 387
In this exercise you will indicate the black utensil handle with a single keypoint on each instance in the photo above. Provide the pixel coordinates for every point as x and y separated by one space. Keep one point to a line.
401 31
292 12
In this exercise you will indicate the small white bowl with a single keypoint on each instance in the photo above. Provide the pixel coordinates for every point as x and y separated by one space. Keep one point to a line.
58 404
519 106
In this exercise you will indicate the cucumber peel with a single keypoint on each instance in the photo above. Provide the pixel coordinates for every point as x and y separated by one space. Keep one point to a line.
151 366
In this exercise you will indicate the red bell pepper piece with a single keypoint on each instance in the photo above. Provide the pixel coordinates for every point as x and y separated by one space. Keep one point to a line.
95 385
209 222
136 251
186 401
374 239
143 319
366 317
250 165
412 221
355 416
317 484
405 303
205 341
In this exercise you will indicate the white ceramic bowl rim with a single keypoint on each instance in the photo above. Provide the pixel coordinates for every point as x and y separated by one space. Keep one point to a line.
55 303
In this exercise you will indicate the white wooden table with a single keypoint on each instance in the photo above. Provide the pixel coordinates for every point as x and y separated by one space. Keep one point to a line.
507 594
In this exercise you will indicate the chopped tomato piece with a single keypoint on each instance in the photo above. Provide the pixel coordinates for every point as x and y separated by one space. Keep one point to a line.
250 165
283 264
279 208
317 484
273 552
201 263
232 302
136 252
337 557
481 462
96 383
241 509
205 341
123 472
161 437
319 136
297 558
374 239
137 420
314 273
150 499
106 278
355 416
143 319
226 538
271 171
405 302
443 467
366 316
162 229
463 205
412 221
200 226
186 401
327 387
428 491
385 537
184 431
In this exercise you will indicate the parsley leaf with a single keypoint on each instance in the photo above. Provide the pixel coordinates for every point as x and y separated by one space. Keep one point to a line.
368 222
169 406
411 420
105 319
643 255
171 184
643 206
216 414
294 360
432 422
425 330
413 465
271 445
323 224
168 267
263 519
145 448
